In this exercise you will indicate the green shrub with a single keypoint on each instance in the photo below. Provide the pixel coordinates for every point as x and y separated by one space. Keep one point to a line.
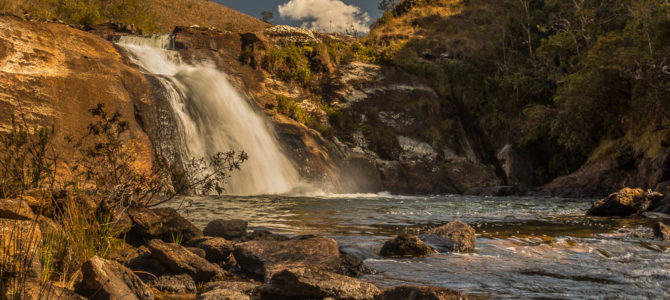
290 63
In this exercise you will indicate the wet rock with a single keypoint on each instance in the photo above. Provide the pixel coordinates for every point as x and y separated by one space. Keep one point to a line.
499 191
405 245
228 229
662 231
517 168
179 260
455 236
20 243
626 202
353 266
238 286
420 293
216 249
262 235
313 283
160 223
15 209
105 279
655 215
222 294
264 258
178 284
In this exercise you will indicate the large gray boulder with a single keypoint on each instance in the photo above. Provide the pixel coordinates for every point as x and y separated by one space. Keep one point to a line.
105 279
181 261
313 283
455 236
264 258
227 229
420 293
405 245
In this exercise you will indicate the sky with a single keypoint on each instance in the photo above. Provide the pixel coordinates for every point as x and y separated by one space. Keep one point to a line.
320 15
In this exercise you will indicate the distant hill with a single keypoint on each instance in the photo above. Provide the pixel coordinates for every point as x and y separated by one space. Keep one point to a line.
205 13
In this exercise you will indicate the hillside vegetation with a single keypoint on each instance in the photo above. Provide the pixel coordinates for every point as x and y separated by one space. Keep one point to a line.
566 81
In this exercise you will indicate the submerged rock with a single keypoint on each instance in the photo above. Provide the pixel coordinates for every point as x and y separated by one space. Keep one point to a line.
455 236
177 284
264 258
626 202
228 229
105 279
420 293
405 245
312 283
179 260
662 231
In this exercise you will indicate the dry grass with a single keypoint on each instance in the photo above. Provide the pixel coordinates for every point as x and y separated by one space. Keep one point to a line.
204 13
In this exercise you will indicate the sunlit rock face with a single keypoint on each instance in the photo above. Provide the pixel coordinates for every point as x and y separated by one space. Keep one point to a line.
53 74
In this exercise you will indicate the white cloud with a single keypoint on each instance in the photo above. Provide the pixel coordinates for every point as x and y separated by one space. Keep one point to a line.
326 15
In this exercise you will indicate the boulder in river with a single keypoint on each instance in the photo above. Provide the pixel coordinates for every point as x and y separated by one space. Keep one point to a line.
624 203
420 293
264 258
160 223
406 245
228 229
455 236
105 279
313 283
662 231
181 261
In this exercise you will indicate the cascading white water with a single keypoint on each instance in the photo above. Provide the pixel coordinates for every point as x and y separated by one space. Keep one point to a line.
213 117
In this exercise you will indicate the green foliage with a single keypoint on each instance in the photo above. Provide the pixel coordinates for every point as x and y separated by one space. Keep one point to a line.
91 12
290 108
290 63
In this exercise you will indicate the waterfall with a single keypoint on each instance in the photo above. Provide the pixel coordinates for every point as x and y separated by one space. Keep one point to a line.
213 117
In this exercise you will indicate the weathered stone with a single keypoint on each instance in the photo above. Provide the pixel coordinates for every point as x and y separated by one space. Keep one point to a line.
177 284
140 259
222 294
662 231
228 229
238 286
105 279
353 266
262 235
312 283
455 236
198 251
405 245
161 223
15 209
626 202
420 293
264 258
20 242
180 260
216 250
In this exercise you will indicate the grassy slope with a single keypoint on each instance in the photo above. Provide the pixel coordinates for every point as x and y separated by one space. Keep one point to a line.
203 13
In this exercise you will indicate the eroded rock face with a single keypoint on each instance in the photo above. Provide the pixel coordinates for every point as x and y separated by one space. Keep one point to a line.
228 229
420 293
662 231
161 223
312 283
181 261
15 209
105 279
405 245
455 236
264 258
626 202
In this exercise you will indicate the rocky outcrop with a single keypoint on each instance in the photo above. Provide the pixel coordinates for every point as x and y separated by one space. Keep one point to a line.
264 258
626 202
420 293
662 231
15 209
228 229
405 245
181 261
161 223
455 236
105 279
312 283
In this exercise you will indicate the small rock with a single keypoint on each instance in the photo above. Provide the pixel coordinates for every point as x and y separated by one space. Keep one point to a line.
35 289
420 293
406 245
228 229
159 223
222 294
312 283
662 231
455 236
179 260
238 286
626 202
178 284
105 279
353 266
216 249
15 209
264 258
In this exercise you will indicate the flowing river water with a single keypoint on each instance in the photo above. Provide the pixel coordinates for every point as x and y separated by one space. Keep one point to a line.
539 248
